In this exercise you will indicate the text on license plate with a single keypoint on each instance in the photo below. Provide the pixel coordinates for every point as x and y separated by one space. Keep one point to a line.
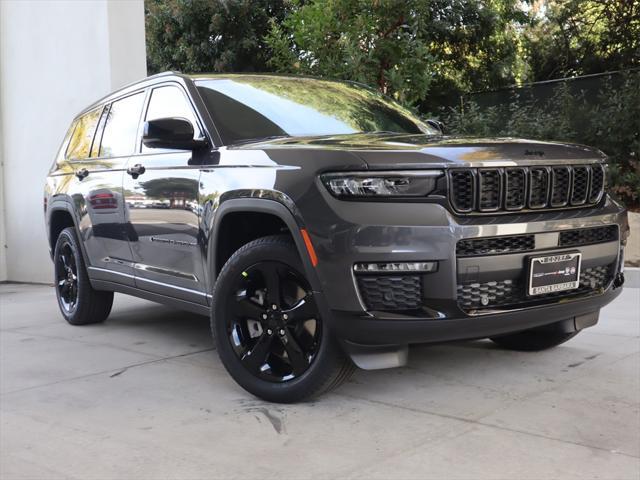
554 273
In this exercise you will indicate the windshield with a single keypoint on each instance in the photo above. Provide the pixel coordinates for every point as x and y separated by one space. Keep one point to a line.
254 107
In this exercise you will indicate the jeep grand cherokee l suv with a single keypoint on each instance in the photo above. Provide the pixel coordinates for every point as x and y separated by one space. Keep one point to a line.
323 227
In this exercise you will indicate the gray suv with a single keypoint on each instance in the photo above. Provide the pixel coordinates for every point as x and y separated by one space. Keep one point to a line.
323 227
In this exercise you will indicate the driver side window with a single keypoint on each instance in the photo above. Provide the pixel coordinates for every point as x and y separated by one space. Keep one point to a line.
169 101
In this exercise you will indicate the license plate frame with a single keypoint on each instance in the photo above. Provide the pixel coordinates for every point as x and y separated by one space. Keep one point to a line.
545 279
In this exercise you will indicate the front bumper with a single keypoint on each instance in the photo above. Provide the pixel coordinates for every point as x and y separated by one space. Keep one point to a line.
371 331
410 232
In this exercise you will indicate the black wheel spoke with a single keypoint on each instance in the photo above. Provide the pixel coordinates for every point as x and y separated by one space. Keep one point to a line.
296 355
256 357
272 281
245 308
305 309
268 320
67 275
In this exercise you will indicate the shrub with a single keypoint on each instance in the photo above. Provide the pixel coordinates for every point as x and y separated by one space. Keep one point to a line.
611 122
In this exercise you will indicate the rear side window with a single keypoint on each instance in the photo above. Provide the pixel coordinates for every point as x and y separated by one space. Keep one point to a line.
121 126
167 102
84 129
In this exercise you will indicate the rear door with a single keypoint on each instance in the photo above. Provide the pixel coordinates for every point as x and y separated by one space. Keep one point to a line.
162 209
99 150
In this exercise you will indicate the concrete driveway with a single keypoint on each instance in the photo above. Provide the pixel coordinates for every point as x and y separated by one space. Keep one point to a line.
144 396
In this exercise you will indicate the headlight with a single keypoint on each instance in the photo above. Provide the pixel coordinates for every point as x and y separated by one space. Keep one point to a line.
382 184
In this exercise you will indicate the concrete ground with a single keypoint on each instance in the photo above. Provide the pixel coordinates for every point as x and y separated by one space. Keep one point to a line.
144 396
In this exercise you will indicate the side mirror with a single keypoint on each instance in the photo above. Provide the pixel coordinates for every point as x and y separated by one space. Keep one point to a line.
174 133
437 124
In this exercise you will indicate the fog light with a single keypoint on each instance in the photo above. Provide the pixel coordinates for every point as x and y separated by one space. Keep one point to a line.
396 267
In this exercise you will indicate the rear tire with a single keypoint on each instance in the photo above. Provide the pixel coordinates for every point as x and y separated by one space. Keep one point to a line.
268 329
79 303
536 339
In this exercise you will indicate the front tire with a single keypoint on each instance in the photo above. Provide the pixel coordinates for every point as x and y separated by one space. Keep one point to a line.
269 332
79 303
536 339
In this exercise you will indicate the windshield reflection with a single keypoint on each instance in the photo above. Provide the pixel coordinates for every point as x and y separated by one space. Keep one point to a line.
252 107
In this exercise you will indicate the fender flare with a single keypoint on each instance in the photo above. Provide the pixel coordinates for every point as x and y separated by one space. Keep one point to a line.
260 205
64 205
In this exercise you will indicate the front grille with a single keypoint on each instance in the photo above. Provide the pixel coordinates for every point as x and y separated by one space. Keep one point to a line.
490 190
390 292
515 188
588 236
463 182
512 292
473 247
525 188
580 185
495 245
597 184
538 187
560 186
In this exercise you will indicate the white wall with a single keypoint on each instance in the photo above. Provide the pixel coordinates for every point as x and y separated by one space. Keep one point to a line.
56 57
3 257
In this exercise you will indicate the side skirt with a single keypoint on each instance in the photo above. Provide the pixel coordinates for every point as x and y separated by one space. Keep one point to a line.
154 297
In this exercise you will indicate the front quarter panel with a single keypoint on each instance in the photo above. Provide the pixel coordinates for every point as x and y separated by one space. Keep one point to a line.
286 177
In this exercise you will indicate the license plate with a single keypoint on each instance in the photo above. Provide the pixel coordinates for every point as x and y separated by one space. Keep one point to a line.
554 273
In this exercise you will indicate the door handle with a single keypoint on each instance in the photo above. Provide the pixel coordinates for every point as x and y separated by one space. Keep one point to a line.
136 170
82 173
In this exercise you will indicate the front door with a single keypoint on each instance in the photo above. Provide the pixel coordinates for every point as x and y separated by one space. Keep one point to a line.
161 208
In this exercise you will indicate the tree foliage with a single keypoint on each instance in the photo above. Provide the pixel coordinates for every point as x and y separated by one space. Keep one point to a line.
428 54
209 35
578 37
422 52
404 48
610 123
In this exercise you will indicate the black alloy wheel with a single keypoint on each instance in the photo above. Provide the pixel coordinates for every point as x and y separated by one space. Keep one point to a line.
273 322
271 334
67 277
79 302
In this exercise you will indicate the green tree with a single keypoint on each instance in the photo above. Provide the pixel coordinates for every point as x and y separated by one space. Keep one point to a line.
578 37
610 122
404 48
209 35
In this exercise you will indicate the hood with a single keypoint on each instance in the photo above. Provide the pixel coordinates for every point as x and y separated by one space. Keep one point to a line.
396 151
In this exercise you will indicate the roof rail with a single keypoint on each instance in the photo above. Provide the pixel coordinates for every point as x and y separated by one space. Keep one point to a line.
161 74
124 87
168 72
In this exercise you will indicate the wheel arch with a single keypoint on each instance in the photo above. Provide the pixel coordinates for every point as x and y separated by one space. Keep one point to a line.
294 224
60 215
262 206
